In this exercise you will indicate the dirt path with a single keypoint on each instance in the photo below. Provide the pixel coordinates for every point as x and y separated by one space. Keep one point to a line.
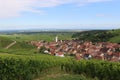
10 45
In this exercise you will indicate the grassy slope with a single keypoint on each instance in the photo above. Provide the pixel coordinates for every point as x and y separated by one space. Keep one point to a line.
116 38
21 47
4 41
97 35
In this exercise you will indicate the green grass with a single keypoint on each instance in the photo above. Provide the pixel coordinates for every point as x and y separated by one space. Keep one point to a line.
19 51
4 41
115 38
69 77
97 36
57 74
22 45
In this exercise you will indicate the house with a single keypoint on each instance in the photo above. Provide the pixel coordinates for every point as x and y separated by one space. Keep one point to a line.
59 54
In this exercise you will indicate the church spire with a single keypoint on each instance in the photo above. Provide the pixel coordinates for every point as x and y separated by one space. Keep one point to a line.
56 39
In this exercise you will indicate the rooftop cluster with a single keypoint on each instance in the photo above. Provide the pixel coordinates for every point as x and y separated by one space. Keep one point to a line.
81 50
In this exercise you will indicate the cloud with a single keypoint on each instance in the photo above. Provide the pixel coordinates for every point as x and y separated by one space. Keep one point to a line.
14 8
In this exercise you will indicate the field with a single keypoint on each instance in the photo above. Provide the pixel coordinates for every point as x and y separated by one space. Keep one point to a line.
23 62
37 66
47 36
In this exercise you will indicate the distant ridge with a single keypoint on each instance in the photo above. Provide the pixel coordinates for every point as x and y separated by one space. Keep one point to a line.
40 30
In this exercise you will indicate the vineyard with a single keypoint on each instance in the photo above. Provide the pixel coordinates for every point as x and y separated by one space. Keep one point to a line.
27 67
23 62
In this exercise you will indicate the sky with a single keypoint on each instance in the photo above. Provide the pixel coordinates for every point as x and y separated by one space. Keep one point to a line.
59 14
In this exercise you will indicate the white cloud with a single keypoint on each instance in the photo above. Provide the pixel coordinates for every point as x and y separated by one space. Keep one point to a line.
13 8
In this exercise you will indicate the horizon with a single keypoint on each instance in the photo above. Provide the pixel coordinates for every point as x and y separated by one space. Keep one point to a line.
59 14
51 30
57 29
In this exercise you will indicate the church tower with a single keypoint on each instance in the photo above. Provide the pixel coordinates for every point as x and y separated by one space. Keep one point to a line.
56 39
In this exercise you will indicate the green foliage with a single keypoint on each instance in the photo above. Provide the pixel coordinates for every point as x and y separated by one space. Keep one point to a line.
27 67
42 49
69 77
57 74
22 67
102 69
117 37
99 36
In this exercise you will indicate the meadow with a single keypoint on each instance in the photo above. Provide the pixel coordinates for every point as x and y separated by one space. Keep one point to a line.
47 36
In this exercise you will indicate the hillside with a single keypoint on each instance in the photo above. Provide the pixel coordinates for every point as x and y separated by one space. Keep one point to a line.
99 36
23 62
4 41
9 45
22 45
117 37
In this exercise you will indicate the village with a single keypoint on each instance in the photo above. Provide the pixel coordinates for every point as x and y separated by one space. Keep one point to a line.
81 49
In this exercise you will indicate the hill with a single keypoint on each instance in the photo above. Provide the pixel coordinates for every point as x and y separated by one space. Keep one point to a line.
117 37
21 61
99 36
4 41
19 47
22 45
